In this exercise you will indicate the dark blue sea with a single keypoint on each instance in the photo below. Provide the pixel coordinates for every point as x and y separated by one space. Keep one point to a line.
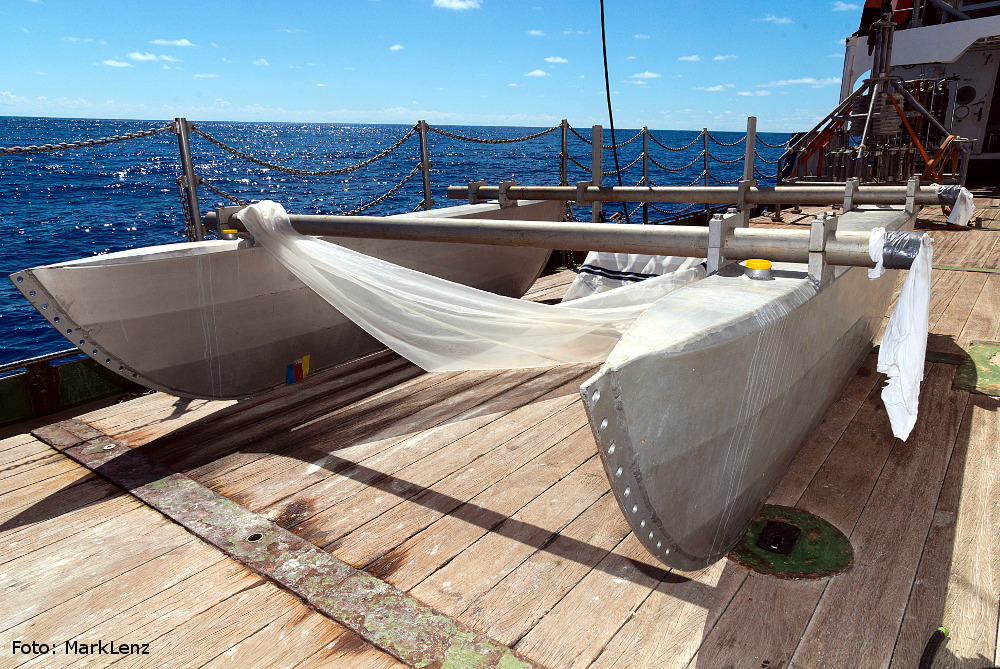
62 205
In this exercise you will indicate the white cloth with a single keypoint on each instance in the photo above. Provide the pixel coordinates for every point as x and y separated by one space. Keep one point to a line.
445 326
904 344
963 208
603 270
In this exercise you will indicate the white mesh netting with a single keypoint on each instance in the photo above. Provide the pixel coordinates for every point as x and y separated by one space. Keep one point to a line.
445 326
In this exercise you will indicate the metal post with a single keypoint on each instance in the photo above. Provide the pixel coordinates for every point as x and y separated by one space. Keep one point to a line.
751 148
645 171
190 180
596 168
564 154
425 164
704 151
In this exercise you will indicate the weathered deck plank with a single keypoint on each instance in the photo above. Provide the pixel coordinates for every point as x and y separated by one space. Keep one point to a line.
481 494
957 581
857 618
84 564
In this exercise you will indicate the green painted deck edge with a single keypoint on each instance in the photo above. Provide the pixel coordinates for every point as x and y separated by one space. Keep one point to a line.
966 269
25 396
382 615
979 374
821 551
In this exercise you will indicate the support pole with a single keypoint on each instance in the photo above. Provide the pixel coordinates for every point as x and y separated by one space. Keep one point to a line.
751 148
564 153
596 168
425 165
704 151
196 232
585 193
645 171
841 247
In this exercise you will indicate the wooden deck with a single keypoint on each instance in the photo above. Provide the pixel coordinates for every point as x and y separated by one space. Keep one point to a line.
480 494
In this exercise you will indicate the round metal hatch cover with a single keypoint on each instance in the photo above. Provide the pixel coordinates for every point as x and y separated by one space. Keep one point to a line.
790 543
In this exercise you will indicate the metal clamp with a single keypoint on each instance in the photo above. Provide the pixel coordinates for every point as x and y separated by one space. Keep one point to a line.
222 216
581 189
505 200
911 195
474 187
820 230
742 203
719 228
851 187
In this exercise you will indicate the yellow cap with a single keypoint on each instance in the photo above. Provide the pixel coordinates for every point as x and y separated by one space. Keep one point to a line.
757 263
230 232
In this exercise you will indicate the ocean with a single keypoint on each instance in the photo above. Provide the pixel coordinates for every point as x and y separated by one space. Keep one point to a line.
63 205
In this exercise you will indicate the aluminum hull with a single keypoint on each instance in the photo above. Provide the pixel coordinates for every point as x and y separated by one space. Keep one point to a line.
704 402
224 320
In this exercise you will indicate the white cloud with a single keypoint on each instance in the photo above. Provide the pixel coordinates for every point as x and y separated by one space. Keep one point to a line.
171 59
694 58
641 36
728 56
711 89
261 62
806 81
570 31
556 59
780 20
458 4
321 85
646 75
845 7
206 76
513 85
396 47
135 55
638 82
630 57
537 73
758 92
536 33
172 42
116 63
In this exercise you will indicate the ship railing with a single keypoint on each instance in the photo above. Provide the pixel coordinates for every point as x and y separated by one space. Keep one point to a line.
703 160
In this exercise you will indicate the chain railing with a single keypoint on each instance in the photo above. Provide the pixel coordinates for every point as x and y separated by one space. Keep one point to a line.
489 140
310 173
84 143
189 181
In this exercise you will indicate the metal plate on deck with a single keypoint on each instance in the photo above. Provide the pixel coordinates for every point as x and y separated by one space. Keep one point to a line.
820 549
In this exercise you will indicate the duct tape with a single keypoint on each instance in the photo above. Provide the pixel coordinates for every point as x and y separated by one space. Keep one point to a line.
900 248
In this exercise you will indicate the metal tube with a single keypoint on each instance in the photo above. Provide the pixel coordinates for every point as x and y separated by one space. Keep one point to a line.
843 248
596 168
751 147
645 170
425 165
563 154
704 151
190 178
722 194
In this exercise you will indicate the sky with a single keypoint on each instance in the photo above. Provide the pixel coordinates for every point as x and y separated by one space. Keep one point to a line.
674 64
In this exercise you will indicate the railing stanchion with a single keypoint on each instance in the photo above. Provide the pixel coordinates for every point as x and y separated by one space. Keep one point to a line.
645 171
425 165
597 168
190 180
564 153
704 152
751 147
